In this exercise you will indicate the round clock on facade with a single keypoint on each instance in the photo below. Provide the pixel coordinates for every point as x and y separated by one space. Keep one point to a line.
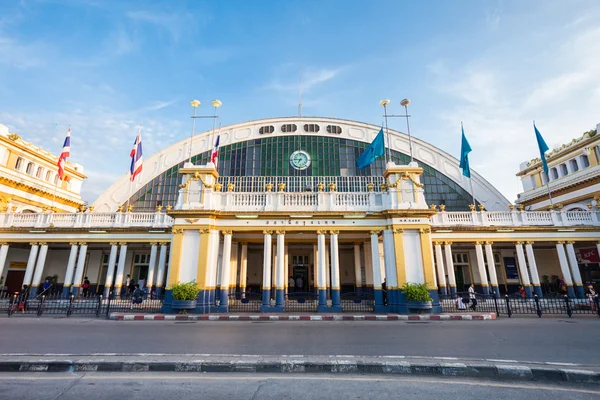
300 160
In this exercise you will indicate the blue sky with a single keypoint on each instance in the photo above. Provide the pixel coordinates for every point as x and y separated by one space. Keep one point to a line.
105 66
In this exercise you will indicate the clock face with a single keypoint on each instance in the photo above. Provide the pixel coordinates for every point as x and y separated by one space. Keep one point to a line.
300 160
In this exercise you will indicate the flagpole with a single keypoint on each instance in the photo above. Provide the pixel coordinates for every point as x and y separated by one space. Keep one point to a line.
131 181
388 156
547 178
56 181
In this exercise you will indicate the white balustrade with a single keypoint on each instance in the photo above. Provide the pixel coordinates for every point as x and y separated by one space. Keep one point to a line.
499 218
577 218
515 218
85 220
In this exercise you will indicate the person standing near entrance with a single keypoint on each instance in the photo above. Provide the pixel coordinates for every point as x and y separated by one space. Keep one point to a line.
299 284
472 296
291 284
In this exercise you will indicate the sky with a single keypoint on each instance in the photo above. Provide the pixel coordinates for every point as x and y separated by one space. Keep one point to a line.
105 66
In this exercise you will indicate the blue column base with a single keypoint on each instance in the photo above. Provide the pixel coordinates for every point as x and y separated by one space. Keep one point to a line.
74 290
437 307
580 291
485 290
272 309
537 289
279 298
528 292
166 307
336 299
570 292
444 290
224 297
266 298
496 290
453 291
381 309
159 291
322 297
378 298
218 292
33 291
66 291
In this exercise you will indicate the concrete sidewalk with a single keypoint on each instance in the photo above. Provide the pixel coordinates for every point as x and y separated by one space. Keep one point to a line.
302 317
508 370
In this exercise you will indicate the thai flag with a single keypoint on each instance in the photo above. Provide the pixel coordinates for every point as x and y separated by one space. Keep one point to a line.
215 154
136 156
66 152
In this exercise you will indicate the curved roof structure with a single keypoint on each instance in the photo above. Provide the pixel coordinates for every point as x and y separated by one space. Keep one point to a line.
424 153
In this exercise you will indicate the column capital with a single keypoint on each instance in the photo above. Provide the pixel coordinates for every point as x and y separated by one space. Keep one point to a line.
267 232
570 242
3 244
334 232
280 232
33 244
437 243
375 232
177 231
321 232
43 244
560 242
388 227
153 244
529 242
478 243
488 243
397 230
447 243
82 243
518 243
204 231
227 232
163 243
123 243
424 230
75 244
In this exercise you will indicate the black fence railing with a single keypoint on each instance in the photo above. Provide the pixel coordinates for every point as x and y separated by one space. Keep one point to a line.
245 302
301 302
358 301
509 306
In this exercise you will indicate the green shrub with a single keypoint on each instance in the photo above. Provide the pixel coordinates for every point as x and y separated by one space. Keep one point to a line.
185 291
416 292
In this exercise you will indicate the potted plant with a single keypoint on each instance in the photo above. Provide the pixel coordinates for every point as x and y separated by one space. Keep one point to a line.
417 297
184 296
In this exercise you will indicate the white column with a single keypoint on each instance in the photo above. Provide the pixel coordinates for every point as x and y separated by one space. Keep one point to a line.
481 268
382 271
328 267
573 264
110 269
439 263
70 266
389 256
315 271
274 266
152 265
268 247
522 265
80 265
286 265
450 265
564 264
162 259
244 267
375 260
225 267
31 264
214 244
233 272
41 262
368 264
121 269
357 267
280 269
321 264
3 254
535 278
335 260
489 254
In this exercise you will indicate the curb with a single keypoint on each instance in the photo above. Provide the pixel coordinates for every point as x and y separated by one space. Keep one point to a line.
343 366
267 317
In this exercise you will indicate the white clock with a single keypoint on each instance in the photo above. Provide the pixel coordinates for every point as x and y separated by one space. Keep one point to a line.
300 160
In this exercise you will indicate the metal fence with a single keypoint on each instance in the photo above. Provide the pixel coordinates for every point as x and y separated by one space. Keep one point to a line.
245 302
301 302
358 301
516 305
56 304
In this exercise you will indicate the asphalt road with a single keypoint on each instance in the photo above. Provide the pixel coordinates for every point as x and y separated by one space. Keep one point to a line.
525 339
93 386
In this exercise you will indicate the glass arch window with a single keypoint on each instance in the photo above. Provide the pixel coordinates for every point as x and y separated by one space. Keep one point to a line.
269 156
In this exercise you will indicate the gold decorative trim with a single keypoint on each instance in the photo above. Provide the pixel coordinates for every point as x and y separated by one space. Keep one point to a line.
424 230
280 232
191 220
227 232
177 231
375 232
267 232
334 232
204 231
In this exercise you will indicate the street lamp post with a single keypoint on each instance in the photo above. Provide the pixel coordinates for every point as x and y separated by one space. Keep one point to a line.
195 103
404 103
385 103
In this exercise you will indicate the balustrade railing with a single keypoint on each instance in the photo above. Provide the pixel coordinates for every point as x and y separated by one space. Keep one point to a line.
516 218
85 220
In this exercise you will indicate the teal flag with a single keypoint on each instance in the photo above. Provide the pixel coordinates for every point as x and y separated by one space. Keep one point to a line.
543 148
465 149
375 149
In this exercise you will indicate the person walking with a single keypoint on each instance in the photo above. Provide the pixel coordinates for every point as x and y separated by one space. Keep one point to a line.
592 296
291 284
472 297
85 286
299 284
46 287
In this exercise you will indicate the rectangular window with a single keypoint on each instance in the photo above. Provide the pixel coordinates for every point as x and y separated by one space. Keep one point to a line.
563 170
585 162
573 165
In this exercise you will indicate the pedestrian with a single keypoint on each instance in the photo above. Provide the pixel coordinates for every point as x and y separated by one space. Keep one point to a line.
85 286
521 292
592 296
384 292
291 284
23 298
137 296
299 284
46 286
472 297
127 282
460 304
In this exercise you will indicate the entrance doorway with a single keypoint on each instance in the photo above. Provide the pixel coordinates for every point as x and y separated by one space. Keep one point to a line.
14 281
300 272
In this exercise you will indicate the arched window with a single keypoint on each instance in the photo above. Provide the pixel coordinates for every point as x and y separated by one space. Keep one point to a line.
48 176
554 173
585 161
19 164
56 179
39 173
29 169
574 166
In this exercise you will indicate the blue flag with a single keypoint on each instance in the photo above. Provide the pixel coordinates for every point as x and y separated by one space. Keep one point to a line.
465 149
543 148
375 149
